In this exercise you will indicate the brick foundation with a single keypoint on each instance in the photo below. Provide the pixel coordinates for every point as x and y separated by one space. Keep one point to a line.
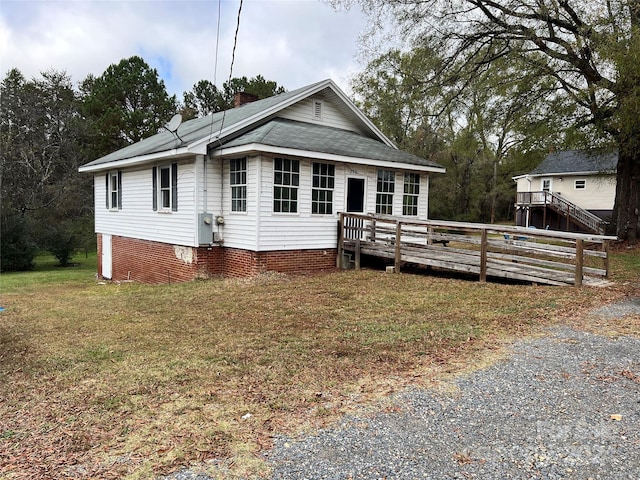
155 262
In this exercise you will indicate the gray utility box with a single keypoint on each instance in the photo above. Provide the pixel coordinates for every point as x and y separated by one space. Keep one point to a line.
205 228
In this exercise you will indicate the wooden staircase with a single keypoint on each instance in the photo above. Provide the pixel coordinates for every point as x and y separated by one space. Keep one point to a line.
570 211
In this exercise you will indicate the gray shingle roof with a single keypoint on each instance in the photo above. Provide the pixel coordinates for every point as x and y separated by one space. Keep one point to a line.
258 123
570 161
194 130
292 134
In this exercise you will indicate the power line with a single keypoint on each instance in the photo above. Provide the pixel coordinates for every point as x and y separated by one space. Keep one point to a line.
233 57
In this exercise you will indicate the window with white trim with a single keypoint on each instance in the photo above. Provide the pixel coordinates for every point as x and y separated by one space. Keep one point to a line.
114 190
322 188
411 193
546 184
580 184
384 192
286 180
238 182
165 187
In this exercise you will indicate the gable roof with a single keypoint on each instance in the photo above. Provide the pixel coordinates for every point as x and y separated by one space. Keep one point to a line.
195 135
577 161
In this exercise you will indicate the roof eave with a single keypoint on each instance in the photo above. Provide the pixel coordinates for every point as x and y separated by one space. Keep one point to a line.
565 174
173 154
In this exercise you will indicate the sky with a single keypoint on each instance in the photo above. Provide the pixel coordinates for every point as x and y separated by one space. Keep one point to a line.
293 42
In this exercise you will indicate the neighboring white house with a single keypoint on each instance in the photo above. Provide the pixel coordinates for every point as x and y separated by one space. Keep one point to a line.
255 188
570 190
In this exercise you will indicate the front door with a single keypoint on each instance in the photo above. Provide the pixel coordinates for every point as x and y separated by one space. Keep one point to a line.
355 195
106 256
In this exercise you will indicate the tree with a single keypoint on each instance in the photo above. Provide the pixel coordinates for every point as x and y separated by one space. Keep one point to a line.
205 98
585 52
41 188
125 104
476 132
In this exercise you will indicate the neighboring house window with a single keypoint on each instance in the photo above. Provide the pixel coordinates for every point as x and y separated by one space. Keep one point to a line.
238 181
384 192
114 190
411 192
580 184
165 187
546 184
322 191
286 179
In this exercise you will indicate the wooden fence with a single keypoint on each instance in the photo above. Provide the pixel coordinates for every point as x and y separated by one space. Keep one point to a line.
500 251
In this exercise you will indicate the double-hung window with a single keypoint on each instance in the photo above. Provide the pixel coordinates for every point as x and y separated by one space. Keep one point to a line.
286 180
238 182
580 184
165 187
411 193
322 188
384 192
114 190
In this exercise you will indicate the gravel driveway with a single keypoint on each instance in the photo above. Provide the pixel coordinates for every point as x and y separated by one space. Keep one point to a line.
563 406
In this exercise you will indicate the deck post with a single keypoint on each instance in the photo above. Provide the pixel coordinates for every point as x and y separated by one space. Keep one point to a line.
605 260
339 260
483 256
358 253
398 250
579 261
373 229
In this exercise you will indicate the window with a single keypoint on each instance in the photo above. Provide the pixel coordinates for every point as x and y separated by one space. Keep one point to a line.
384 192
238 182
165 187
114 190
411 192
322 191
286 179
580 184
546 184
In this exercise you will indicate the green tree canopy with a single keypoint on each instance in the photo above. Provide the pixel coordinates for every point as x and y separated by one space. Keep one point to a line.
125 104
41 191
205 98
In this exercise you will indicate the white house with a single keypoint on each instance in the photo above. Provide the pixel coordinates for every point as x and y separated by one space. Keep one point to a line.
570 190
254 188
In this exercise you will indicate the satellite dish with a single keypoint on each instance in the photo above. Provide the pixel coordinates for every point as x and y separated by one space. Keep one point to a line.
174 123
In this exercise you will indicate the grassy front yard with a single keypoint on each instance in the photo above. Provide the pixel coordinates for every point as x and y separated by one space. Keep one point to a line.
112 381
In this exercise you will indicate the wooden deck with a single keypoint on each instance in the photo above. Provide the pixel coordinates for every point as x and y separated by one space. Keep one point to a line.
516 253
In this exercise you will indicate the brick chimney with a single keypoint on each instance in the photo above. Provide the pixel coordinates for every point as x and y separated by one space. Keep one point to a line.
240 98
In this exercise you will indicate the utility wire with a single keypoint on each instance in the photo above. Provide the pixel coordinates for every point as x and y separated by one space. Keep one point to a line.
233 57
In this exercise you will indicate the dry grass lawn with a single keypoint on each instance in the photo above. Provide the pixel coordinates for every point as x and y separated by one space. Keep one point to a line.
134 381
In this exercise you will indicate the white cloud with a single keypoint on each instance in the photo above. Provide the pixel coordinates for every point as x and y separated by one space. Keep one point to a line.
294 42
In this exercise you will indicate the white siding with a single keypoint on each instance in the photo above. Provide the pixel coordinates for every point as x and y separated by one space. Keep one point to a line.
240 228
302 230
524 184
137 219
599 193
331 116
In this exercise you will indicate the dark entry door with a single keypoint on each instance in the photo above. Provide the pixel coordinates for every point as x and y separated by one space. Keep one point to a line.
355 195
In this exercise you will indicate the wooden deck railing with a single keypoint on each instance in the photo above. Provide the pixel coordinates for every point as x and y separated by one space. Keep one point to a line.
527 254
563 206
